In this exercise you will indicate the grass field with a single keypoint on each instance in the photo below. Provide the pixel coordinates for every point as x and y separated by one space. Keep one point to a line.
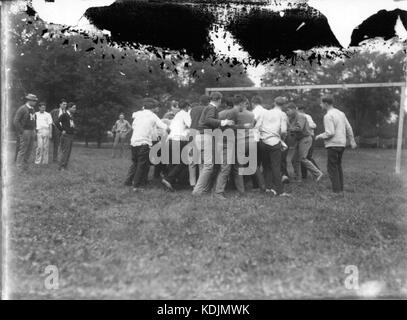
109 242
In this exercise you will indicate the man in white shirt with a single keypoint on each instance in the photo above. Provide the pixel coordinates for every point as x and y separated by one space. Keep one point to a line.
44 133
258 109
272 125
144 123
337 132
177 139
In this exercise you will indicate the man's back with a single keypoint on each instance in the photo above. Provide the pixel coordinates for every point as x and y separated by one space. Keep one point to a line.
144 127
301 126
209 118
338 128
195 114
272 125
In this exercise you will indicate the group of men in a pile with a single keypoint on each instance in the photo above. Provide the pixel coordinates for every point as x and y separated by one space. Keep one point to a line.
198 145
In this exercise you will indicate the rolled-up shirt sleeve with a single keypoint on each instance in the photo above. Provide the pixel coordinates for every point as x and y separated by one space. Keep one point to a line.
311 122
187 120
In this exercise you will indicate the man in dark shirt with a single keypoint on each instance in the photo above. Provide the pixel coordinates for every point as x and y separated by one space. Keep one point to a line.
65 124
303 135
56 134
195 114
204 140
24 124
226 145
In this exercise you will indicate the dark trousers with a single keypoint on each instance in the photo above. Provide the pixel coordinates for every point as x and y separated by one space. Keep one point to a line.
138 171
178 169
159 168
66 148
17 147
56 140
335 167
272 166
310 158
25 149
284 170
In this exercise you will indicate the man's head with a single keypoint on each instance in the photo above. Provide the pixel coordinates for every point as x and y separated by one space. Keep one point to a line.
240 101
121 116
31 99
151 106
280 101
327 101
290 109
63 104
204 100
301 108
42 106
71 107
183 105
257 100
229 102
216 98
174 107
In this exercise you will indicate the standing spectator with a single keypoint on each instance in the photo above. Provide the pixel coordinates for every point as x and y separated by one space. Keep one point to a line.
56 134
44 133
178 139
272 125
66 125
24 123
303 135
121 128
144 123
207 122
312 127
337 131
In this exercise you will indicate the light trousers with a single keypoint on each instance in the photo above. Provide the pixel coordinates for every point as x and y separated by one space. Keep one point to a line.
41 154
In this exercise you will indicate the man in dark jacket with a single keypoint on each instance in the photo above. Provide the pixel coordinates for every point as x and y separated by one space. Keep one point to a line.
207 122
195 114
299 126
56 134
66 125
24 124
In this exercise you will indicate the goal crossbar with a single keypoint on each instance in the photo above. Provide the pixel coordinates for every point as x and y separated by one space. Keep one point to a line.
401 85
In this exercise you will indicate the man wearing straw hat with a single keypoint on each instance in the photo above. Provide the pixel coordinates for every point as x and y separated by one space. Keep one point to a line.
24 123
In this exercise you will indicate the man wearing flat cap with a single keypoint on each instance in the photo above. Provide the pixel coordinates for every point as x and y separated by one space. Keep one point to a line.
24 123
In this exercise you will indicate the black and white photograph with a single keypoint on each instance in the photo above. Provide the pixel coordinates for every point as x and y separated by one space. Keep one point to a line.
203 150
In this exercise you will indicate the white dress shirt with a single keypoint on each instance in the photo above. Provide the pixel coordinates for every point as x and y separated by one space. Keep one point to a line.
44 120
311 123
179 126
272 125
257 111
144 127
